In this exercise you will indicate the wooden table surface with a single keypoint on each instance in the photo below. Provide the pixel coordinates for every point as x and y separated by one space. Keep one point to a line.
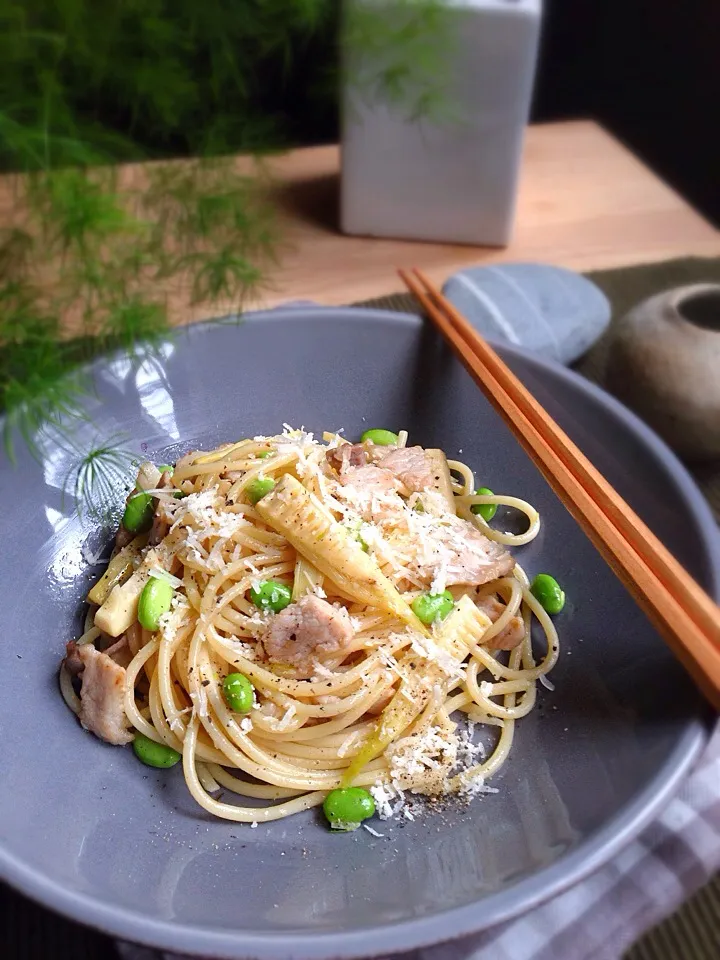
585 202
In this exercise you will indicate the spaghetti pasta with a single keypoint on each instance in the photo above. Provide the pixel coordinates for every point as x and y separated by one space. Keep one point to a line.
306 584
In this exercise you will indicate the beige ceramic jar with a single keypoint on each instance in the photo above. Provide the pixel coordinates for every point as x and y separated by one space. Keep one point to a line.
664 363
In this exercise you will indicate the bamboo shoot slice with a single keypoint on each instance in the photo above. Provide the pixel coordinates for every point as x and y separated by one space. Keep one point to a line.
443 481
295 513
118 570
464 627
120 609
307 578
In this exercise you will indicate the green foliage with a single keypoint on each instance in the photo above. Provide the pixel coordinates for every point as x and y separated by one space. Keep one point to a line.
193 73
85 249
96 475
399 54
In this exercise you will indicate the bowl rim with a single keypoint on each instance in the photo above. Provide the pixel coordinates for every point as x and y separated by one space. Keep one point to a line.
456 922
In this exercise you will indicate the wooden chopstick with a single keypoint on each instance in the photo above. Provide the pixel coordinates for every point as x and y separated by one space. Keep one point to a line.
703 609
685 615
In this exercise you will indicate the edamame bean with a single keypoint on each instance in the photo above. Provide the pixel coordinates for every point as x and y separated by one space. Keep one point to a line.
486 510
429 607
381 438
548 592
138 514
271 595
155 600
259 488
154 754
345 809
238 692
264 455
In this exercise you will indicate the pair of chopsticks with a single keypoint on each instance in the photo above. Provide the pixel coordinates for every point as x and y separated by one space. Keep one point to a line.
687 618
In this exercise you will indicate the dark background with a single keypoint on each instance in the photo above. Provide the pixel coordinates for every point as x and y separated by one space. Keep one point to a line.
191 76
647 70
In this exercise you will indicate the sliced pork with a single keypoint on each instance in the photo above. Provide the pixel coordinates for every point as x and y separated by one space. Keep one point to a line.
347 455
370 480
413 466
306 632
102 692
422 471
455 553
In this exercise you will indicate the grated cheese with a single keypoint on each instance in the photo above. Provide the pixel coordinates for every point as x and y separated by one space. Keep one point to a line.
423 762
373 832
429 650
200 509
169 623
322 672
287 718
347 743
200 703
389 799
474 787
431 762
160 574
245 650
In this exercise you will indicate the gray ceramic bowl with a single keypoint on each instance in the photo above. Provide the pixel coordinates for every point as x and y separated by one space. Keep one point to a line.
89 832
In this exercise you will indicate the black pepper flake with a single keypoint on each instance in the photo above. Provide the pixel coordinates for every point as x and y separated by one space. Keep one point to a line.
206 683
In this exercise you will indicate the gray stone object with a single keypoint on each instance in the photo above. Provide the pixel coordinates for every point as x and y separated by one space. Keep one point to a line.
664 363
553 312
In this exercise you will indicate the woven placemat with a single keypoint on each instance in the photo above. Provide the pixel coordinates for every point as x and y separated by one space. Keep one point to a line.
31 933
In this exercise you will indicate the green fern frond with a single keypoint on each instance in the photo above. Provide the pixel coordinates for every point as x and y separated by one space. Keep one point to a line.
16 247
86 250
30 408
133 322
76 209
400 54
99 476
223 275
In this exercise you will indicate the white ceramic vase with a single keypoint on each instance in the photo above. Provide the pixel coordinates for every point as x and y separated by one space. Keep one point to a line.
450 174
